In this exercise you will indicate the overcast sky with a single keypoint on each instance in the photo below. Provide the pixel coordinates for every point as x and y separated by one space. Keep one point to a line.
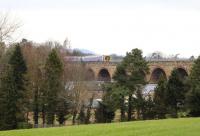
112 26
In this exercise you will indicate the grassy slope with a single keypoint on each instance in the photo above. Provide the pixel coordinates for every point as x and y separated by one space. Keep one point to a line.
169 127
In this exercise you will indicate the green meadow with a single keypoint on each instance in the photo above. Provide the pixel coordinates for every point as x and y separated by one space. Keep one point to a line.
167 127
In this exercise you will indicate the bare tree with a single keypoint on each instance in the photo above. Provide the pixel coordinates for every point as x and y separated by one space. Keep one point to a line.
8 27
77 88
35 56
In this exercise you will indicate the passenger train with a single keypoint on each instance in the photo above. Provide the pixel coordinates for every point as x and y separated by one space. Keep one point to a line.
100 58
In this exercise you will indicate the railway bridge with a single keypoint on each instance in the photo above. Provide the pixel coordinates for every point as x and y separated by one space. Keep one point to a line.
104 71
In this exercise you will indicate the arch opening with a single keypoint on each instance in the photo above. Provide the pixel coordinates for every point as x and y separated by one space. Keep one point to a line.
104 75
156 75
182 73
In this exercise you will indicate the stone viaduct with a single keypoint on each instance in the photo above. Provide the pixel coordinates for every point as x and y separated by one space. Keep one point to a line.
104 71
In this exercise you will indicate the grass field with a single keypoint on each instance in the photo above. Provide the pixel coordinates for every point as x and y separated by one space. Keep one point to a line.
168 127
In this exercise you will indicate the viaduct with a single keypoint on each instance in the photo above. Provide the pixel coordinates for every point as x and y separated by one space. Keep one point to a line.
104 71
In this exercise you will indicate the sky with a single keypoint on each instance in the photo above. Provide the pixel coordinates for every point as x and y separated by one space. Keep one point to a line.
112 26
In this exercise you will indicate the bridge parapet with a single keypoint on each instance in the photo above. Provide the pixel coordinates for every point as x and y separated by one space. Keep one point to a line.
101 58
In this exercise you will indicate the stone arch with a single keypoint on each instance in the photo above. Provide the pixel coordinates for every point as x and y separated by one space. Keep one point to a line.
90 75
104 75
156 74
182 72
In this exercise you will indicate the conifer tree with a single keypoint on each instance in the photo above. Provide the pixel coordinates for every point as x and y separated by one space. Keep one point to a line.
130 74
159 98
193 97
53 74
13 90
175 93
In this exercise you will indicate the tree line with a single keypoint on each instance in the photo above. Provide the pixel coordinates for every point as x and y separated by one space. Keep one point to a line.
39 87
36 88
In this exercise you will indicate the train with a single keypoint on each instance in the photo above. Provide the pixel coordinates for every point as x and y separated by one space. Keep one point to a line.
94 58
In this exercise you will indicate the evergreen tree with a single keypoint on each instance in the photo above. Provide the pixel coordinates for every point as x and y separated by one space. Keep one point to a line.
175 93
62 110
130 74
12 88
118 95
193 97
104 113
8 110
149 108
36 106
119 90
159 98
115 98
37 88
139 104
53 73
